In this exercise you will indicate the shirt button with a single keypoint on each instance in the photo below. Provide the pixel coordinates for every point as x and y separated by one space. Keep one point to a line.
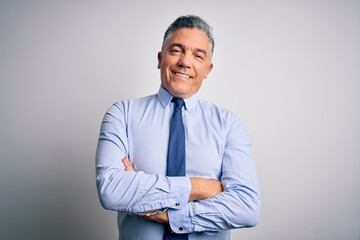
177 204
181 228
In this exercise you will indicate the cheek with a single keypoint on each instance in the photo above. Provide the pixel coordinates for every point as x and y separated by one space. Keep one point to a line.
164 68
201 74
205 71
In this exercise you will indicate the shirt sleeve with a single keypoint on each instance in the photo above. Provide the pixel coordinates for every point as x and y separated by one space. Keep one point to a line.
131 192
239 203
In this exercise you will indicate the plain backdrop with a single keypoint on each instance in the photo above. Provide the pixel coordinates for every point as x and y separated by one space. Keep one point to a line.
289 69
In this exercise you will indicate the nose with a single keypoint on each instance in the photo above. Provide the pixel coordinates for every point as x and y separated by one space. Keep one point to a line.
184 61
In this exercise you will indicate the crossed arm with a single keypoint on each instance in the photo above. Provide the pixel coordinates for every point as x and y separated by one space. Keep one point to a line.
201 188
232 203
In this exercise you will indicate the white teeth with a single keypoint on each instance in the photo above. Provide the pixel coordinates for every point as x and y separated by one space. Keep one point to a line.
182 75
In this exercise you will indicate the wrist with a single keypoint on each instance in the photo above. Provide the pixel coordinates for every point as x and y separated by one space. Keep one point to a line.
196 189
202 188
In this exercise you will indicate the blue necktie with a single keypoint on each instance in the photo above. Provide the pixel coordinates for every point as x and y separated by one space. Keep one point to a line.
176 156
176 148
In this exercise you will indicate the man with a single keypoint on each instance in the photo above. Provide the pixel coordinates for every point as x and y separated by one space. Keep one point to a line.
219 191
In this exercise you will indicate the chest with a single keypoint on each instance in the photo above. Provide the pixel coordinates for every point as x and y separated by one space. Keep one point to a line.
204 140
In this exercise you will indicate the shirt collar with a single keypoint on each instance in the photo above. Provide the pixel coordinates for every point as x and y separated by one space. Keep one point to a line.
165 98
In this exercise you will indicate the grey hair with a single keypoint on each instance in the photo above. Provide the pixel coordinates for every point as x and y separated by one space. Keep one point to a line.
190 21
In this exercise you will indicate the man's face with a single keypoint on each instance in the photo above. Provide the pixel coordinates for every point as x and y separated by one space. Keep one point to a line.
185 62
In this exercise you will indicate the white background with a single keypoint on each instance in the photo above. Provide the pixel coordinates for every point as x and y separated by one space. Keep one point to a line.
289 69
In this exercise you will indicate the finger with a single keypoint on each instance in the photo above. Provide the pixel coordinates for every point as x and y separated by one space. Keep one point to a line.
127 164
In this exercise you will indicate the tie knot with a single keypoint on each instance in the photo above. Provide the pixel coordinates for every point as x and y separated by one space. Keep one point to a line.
179 102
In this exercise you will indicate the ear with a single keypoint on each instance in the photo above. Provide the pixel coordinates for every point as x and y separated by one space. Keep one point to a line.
209 70
159 59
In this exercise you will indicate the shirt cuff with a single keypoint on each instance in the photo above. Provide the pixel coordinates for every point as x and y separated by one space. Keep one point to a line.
180 188
180 220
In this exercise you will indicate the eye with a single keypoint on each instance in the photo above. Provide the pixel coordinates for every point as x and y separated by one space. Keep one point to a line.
199 56
175 50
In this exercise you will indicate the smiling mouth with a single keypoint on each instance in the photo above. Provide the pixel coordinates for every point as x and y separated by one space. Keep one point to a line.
182 75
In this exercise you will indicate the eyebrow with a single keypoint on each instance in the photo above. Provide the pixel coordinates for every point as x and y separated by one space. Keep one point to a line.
183 47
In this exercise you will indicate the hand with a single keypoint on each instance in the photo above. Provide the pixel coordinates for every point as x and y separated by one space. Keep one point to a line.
160 218
127 164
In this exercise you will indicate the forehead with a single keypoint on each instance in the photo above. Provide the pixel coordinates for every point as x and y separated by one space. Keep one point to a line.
190 38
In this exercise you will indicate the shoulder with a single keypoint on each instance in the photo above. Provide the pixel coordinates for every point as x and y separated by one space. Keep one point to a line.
226 120
218 112
122 107
127 103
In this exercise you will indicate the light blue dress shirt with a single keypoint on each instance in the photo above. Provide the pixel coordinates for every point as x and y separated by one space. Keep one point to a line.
217 147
